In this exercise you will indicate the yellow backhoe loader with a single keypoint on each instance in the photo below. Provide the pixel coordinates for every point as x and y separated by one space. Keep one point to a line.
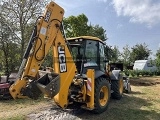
80 73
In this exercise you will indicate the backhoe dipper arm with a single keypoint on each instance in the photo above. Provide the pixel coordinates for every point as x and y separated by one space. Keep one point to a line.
43 36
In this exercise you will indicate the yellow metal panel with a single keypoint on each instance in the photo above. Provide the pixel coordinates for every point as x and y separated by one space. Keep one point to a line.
90 88
47 33
85 37
66 74
16 88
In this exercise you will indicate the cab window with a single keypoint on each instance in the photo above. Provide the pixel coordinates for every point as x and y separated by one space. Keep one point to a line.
91 51
102 56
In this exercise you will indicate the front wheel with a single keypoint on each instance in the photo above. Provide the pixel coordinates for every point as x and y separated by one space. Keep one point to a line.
117 87
101 95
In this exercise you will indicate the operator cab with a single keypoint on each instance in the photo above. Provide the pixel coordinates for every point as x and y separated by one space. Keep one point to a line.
87 52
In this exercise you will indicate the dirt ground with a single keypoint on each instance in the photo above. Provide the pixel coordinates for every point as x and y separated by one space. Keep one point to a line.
145 81
142 103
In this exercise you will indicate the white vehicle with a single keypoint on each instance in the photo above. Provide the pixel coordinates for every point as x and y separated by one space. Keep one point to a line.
146 65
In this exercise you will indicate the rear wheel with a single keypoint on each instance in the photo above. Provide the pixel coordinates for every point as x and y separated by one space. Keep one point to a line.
102 95
117 87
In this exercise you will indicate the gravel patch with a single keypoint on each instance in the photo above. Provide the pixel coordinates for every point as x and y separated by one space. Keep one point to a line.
56 114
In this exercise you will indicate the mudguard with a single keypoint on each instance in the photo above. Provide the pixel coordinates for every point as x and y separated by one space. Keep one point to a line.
99 73
115 74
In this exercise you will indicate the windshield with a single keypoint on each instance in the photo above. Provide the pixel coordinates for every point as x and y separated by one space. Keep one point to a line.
86 48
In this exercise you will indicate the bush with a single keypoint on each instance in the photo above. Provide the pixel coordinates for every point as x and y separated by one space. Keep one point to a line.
151 73
126 72
142 72
1 73
133 73
157 72
137 72
146 73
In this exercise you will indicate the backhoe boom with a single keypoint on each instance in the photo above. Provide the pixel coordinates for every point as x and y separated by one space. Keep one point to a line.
44 35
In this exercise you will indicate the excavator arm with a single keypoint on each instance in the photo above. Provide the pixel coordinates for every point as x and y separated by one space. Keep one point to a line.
46 34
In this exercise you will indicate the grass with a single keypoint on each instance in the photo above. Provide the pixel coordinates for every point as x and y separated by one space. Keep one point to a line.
142 103
19 108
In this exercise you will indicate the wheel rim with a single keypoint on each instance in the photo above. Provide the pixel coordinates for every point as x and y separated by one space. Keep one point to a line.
103 96
121 86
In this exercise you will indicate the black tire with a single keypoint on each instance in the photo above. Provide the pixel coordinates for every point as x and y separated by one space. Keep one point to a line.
117 87
7 96
101 99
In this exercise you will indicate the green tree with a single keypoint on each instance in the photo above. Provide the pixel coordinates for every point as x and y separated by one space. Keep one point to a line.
158 59
78 26
140 52
108 52
18 14
115 56
126 55
112 54
8 48
97 31
16 17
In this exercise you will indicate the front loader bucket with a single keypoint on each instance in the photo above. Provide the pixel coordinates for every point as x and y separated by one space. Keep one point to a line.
49 84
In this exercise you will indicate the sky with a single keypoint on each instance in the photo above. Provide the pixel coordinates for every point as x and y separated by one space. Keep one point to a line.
127 22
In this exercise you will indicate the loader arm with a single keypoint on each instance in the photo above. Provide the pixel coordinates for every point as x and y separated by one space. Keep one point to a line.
46 35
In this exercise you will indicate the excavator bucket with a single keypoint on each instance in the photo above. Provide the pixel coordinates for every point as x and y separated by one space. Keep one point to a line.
49 84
